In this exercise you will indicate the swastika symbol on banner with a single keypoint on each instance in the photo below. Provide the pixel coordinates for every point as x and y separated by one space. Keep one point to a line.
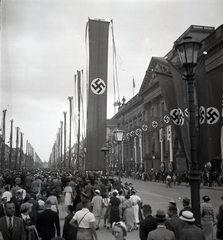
144 127
166 119
212 115
154 124
177 116
98 86
138 131
201 115
186 112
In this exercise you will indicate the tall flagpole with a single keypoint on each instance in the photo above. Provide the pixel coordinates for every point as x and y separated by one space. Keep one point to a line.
70 100
3 141
17 145
11 140
65 138
78 114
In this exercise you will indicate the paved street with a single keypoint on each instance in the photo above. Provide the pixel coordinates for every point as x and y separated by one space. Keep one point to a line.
158 196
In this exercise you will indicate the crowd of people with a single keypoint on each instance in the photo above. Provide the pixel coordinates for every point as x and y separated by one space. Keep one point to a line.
29 209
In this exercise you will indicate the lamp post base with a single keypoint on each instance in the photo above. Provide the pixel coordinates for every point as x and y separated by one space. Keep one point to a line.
194 180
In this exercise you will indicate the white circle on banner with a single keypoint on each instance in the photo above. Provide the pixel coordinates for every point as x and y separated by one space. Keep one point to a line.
177 116
98 86
212 115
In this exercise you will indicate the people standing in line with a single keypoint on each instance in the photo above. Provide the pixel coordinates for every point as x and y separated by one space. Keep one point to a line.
47 221
114 208
128 213
69 232
11 227
161 232
186 205
119 230
97 204
148 224
136 201
190 230
85 221
207 218
174 224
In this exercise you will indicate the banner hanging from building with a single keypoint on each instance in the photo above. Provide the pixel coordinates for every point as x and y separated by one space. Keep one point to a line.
98 32
209 98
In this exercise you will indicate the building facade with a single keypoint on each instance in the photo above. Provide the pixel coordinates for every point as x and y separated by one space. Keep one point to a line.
151 142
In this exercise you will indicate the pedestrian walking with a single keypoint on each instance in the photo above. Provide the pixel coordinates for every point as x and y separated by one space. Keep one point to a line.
128 213
11 227
119 230
174 224
148 224
136 201
68 195
161 232
85 221
97 204
114 208
207 218
69 231
190 230
47 222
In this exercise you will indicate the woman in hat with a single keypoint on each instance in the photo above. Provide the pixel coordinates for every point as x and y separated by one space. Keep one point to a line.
207 218
119 230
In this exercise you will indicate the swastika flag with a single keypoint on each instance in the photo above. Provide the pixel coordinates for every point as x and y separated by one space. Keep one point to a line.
209 95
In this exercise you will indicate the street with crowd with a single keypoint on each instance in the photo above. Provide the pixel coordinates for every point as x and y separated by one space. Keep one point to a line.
31 201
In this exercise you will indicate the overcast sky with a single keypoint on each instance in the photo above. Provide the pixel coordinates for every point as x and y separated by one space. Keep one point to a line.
43 46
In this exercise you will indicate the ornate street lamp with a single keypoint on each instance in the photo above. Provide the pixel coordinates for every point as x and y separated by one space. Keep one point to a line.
188 53
119 138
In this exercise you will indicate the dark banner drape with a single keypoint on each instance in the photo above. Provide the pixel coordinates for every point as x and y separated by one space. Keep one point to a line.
209 94
98 32
176 110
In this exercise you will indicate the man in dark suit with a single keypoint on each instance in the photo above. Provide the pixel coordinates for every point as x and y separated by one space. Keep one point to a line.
148 224
69 232
186 205
46 223
11 227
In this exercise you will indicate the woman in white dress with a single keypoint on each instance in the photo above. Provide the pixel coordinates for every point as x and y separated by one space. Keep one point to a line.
68 195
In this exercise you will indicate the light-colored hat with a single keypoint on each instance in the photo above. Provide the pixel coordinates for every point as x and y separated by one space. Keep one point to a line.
97 191
187 216
25 206
173 201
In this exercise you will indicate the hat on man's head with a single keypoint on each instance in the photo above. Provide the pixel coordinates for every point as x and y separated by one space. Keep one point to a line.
97 191
160 215
173 201
187 216
134 191
25 206
83 194
186 200
206 198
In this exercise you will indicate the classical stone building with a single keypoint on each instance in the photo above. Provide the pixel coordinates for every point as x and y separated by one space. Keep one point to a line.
145 119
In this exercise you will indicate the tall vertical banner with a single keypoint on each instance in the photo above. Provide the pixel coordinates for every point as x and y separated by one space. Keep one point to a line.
98 32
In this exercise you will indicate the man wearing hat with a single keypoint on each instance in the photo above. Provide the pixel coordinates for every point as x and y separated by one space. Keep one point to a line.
161 232
190 230
186 205
97 204
84 199
173 202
